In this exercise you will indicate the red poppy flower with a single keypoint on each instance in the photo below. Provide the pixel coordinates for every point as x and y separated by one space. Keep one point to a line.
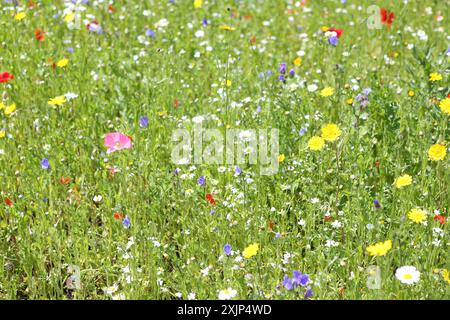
338 31
210 199
328 218
6 76
386 17
118 215
440 218
8 202
39 35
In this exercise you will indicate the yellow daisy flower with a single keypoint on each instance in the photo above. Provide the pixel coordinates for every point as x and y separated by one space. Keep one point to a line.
446 275
62 63
69 17
316 143
331 132
281 158
10 109
435 76
437 152
445 105
298 61
326 92
403 181
417 215
20 16
198 4
380 248
228 28
250 251
57 101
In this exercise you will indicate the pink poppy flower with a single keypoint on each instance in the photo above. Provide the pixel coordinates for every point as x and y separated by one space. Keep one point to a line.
116 141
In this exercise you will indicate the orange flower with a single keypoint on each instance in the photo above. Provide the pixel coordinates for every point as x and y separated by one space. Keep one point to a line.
39 35
118 215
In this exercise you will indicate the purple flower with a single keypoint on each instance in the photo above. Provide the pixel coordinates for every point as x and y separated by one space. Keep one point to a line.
45 164
377 204
227 249
201 181
258 109
212 212
362 99
309 293
282 68
287 283
237 170
448 51
367 91
281 78
277 235
269 73
300 279
205 22
150 33
333 40
176 171
143 122
292 72
303 131
126 222
70 50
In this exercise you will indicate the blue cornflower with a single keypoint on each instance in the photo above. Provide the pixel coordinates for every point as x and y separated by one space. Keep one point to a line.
333 40
143 122
303 131
45 164
126 222
377 204
201 181
227 249
150 33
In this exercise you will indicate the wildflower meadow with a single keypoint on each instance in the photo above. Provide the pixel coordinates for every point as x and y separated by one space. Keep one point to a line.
224 150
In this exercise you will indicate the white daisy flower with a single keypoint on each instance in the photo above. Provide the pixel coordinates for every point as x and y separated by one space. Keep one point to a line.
407 274
227 294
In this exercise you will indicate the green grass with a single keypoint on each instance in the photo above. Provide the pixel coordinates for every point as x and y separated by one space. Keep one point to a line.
51 225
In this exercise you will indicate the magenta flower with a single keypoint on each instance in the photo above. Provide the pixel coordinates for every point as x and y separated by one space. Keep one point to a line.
116 141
